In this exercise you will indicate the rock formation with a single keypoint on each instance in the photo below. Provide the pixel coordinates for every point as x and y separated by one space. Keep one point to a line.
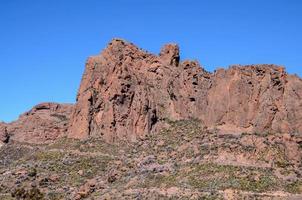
43 123
127 93
3 134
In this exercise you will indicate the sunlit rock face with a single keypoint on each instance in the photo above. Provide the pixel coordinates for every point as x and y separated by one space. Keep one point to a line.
127 93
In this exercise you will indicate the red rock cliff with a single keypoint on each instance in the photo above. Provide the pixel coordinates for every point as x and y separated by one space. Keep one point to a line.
126 93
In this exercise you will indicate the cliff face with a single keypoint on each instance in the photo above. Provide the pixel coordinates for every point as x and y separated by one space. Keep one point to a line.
258 98
127 93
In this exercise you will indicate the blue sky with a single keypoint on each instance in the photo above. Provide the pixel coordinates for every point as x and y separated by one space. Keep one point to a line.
44 43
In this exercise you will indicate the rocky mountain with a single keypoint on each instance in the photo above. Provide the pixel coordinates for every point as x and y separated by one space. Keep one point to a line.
127 93
148 126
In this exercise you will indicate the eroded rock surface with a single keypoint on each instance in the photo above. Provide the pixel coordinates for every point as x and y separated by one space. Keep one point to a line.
127 93
43 123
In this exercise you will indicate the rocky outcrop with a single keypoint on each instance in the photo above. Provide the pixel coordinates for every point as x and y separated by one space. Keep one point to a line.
258 98
4 137
43 123
127 93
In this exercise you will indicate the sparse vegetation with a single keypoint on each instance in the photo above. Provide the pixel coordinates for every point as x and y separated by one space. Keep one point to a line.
182 157
28 194
295 187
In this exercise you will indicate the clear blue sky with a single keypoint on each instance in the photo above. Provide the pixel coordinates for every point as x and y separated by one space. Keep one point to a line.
44 43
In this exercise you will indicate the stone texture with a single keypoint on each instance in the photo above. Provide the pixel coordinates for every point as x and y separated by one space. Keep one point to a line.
4 138
257 98
43 123
127 93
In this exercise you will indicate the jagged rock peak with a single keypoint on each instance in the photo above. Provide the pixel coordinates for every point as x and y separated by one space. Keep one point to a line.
127 93
119 47
169 54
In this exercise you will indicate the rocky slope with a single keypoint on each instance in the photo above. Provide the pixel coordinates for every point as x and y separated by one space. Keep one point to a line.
183 161
127 93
